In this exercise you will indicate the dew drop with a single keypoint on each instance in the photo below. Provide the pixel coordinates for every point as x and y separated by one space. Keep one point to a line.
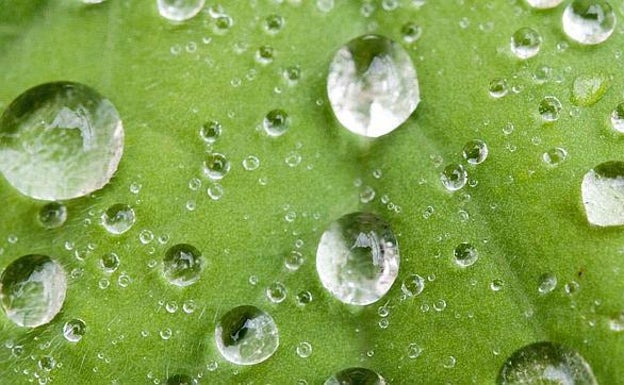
273 24
549 108
546 363
414 350
547 282
179 10
60 141
617 118
292 74
304 298
497 285
357 258
293 260
544 4
118 218
276 292
210 131
109 262
356 376
554 156
52 215
189 306
413 285
251 163
498 88
304 349
602 192
454 177
146 236
74 330
475 151
411 32
181 379
465 254
372 85
525 43
166 333
276 123
46 363
588 21
325 6
588 89
246 335
215 191
182 265
32 290
216 166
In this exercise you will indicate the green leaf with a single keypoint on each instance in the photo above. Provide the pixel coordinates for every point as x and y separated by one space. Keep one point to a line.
524 217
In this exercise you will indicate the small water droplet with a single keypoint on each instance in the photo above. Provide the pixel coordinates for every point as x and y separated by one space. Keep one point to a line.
273 24
454 177
109 262
549 108
475 151
525 43
414 350
216 166
547 282
554 156
181 379
52 215
166 333
498 88
411 32
215 191
146 236
74 330
544 4
46 363
293 260
571 287
179 10
292 74
265 54
356 376
413 285
118 218
251 163
276 292
210 131
304 298
325 6
588 21
276 122
617 118
171 307
602 192
304 349
439 305
189 306
465 254
182 265
497 285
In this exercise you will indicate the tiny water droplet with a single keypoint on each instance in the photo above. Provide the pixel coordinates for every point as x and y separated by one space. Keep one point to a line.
571 287
547 283
181 379
602 192
304 349
215 191
525 43
265 54
182 265
411 32
179 10
74 330
465 254
273 24
304 298
475 151
588 89
293 260
146 236
276 292
276 123
325 6
53 215
414 350
497 285
166 333
118 218
251 163
454 177
588 21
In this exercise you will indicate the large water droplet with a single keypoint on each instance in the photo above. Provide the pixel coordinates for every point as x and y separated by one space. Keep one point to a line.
544 4
182 265
32 290
546 363
602 191
588 89
357 258
588 21
179 10
60 141
356 376
454 177
372 85
53 215
74 329
118 218
617 118
525 43
246 335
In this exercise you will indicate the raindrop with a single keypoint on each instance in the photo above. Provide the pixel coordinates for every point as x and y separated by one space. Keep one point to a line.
498 88
525 43
265 54
210 131
216 166
251 163
554 156
413 285
118 218
587 90
74 329
475 151
546 362
304 297
32 290
372 85
46 363
411 32
179 10
189 306
109 262
246 335
544 4
181 379
182 265
293 260
146 236
497 285
304 349
571 287
171 307
292 74
215 191
454 177
276 292
617 118
549 108
60 141
588 21
356 376
357 258
465 254
602 192
547 282
273 24
414 350
276 123
53 215
166 333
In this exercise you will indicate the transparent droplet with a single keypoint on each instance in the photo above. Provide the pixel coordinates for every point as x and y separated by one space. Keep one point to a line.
276 292
465 254
251 163
357 258
179 10
602 192
74 329
546 363
292 74
189 306
544 4
182 265
215 191
414 350
32 290
273 24
325 6
304 297
617 118
413 285
372 85
588 89
411 32
454 177
109 262
475 151
216 166
60 141
356 376
497 285
525 43
547 282
276 123
571 287
246 335
118 218
146 236
265 54
181 379
498 88
554 156
53 215
549 108
304 349
166 333
210 131
588 21
293 260
46 363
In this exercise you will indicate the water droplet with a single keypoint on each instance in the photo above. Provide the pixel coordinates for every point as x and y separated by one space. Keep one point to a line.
109 262
454 177
411 32
549 108
465 254
372 85
588 21
293 159
325 6
544 4
571 287
555 156
216 166
498 88
547 282
546 363
60 141
32 290
475 151
439 305
293 260
273 24
356 376
276 292
497 285
617 118
588 89
182 265
210 131
525 43
146 236
414 350
181 379
171 307
46 363
616 323
74 329
292 74
367 194
276 123
246 335
124 280
179 10
215 191
413 285
118 218
602 191
304 349
103 283
357 258
189 306
166 333
304 297
53 215
251 163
